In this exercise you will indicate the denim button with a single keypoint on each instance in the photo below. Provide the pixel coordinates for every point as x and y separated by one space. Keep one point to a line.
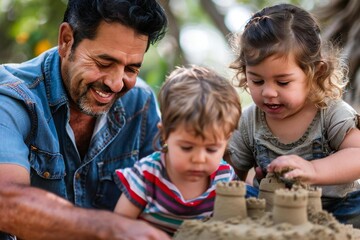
46 174
77 176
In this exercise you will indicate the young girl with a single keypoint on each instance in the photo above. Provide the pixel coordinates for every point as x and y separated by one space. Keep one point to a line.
298 124
200 110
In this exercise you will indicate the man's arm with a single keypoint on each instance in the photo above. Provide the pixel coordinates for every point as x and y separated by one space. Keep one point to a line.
32 213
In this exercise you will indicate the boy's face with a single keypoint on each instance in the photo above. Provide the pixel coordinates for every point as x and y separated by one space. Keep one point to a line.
191 158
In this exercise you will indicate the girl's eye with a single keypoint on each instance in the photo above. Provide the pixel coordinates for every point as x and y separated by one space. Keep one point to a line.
257 82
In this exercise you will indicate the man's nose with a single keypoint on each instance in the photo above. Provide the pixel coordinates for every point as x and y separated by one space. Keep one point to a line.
115 80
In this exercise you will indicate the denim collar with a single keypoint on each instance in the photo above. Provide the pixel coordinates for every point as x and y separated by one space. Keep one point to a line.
55 89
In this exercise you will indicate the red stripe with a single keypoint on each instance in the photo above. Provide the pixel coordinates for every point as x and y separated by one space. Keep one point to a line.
155 180
133 195
222 167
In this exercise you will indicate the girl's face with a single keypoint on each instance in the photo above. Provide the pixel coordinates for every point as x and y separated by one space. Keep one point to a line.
193 159
278 86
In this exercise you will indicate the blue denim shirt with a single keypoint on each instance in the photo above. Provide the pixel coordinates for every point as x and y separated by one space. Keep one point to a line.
35 133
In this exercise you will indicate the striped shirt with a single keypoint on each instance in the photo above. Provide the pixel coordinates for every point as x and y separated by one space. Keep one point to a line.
148 187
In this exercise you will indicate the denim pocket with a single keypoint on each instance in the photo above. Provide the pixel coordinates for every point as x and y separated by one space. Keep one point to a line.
262 154
47 171
108 193
318 149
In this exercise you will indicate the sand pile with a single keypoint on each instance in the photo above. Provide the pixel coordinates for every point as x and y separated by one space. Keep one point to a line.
279 213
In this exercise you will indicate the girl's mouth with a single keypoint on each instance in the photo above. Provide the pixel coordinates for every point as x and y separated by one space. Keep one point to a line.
273 106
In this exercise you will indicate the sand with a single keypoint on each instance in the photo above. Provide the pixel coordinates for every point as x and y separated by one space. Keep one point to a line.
279 213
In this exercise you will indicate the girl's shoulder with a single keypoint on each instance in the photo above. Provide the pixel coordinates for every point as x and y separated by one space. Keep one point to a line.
338 118
339 110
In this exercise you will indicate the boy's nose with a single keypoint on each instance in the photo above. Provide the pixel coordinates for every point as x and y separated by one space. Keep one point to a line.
199 157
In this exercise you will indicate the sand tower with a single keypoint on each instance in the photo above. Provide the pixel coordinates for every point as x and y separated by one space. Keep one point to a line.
267 188
255 207
230 200
290 206
314 196
314 200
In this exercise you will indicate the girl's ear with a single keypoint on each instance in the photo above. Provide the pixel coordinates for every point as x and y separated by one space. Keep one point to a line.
320 68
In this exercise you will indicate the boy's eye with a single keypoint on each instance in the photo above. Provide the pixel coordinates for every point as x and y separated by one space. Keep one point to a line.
184 148
283 83
211 150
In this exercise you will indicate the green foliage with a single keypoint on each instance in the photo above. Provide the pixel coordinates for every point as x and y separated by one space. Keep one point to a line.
29 26
154 69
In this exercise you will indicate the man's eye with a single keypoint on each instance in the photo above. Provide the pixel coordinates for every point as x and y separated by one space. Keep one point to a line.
133 70
103 65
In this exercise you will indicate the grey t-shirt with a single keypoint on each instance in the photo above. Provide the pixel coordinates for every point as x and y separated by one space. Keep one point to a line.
253 143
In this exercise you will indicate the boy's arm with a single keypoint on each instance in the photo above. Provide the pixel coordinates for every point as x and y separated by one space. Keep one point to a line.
126 208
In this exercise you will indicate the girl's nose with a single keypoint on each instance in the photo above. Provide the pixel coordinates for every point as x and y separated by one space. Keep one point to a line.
269 91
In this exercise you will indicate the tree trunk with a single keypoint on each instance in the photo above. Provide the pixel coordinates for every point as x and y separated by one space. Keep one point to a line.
341 20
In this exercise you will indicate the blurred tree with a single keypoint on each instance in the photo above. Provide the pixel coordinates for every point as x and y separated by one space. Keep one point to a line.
341 21
31 26
28 27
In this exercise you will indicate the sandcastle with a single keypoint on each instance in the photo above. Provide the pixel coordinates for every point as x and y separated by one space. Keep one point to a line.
279 213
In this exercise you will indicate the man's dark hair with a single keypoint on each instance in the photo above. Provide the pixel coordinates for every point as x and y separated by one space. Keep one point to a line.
147 17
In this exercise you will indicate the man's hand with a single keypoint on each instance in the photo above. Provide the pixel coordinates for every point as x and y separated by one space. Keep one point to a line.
140 230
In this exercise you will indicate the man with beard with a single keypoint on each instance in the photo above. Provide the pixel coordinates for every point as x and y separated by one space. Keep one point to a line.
73 115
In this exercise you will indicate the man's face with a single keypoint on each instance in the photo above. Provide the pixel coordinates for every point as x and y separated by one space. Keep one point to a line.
101 70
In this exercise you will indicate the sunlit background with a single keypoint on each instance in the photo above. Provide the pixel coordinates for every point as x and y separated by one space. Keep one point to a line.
30 27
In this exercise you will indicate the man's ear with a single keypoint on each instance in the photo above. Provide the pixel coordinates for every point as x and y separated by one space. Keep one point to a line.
161 130
160 127
66 39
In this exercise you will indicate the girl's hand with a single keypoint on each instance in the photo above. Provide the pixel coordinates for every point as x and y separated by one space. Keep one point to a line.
294 168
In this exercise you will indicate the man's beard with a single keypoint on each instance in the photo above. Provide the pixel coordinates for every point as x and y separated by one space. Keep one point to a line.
87 108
